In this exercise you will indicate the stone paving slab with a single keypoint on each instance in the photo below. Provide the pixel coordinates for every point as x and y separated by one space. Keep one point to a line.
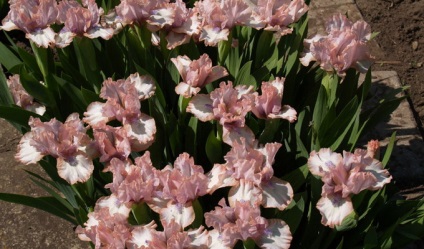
21 226
407 161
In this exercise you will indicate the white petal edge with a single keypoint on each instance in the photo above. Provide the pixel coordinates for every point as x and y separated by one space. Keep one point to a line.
276 193
334 209
277 235
42 38
27 154
78 170
201 107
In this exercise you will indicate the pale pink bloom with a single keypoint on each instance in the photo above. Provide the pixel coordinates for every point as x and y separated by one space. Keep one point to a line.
219 17
268 105
105 229
334 209
181 185
144 84
176 21
196 74
21 96
344 47
34 18
133 183
146 236
229 106
249 171
278 15
186 23
192 238
112 142
123 104
344 176
137 11
68 142
140 131
80 21
243 221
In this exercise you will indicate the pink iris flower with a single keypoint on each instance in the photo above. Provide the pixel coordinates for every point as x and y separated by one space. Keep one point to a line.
248 169
68 142
137 11
177 21
278 15
243 221
21 96
344 176
107 226
180 186
344 47
123 104
80 20
196 74
229 106
219 17
34 17
268 105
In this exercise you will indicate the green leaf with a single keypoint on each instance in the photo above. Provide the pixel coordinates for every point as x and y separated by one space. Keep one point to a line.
371 238
244 77
349 222
7 58
53 194
5 95
18 115
293 214
75 95
47 204
263 47
141 213
389 149
213 148
271 128
191 137
297 177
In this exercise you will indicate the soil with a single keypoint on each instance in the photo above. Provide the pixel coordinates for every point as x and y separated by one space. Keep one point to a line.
401 38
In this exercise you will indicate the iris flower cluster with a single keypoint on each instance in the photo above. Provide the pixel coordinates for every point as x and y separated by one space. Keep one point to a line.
209 21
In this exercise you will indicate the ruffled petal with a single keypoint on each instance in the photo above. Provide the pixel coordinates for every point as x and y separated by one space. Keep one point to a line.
219 177
217 72
28 154
141 132
98 31
323 161
287 112
75 169
182 214
245 191
94 115
334 209
146 237
42 38
212 35
186 90
235 134
64 38
144 84
276 193
382 176
277 235
201 107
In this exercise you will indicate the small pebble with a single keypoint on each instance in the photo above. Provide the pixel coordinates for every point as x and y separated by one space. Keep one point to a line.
414 45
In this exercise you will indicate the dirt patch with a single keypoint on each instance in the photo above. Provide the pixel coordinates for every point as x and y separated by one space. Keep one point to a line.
401 27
